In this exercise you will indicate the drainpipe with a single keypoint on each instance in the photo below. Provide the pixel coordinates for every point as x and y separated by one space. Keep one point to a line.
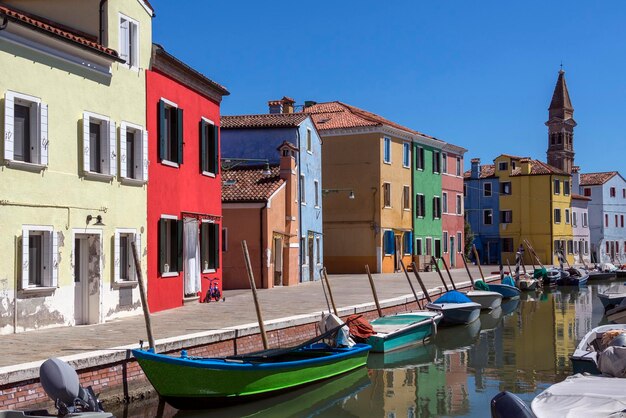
101 20
299 205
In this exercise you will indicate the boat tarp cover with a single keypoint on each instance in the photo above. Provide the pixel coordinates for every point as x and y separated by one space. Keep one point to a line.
509 281
582 396
612 361
360 327
540 273
480 285
453 297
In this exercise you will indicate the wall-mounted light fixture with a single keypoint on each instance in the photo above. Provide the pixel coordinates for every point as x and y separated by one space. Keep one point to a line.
350 192
230 163
98 219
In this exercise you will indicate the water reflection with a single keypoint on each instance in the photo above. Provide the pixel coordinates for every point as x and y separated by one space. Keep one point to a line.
522 347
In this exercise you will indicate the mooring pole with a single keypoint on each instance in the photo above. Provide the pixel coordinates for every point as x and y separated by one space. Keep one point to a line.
330 292
246 257
406 273
142 295
449 274
433 260
369 275
419 280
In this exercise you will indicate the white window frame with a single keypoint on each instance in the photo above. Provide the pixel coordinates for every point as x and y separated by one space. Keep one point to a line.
574 218
554 214
302 189
459 170
406 154
38 130
444 163
309 141
429 248
419 247
169 273
141 160
556 182
460 244
459 204
117 255
421 159
444 202
386 144
204 172
485 189
585 220
567 216
422 206
439 209
444 240
304 246
169 105
108 144
209 269
50 257
316 186
123 46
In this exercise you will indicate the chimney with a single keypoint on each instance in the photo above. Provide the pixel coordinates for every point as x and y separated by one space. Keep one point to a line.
576 179
284 105
475 170
526 166
275 106
289 174
288 104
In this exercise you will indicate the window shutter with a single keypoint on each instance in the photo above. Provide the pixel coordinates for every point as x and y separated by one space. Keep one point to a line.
43 133
124 39
179 126
123 153
25 266
216 156
9 123
55 260
409 247
144 156
86 163
179 245
216 245
112 148
203 147
162 133
162 246
138 245
116 257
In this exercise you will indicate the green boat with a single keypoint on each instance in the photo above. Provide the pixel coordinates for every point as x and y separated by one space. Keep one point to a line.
401 330
193 382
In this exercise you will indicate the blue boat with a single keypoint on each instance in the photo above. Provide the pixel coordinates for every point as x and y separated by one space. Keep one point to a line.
401 330
457 309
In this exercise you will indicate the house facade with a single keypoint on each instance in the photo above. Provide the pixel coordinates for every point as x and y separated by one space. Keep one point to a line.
260 206
184 202
580 229
452 214
257 137
72 83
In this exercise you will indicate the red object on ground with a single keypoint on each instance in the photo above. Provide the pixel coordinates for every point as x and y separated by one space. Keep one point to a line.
360 327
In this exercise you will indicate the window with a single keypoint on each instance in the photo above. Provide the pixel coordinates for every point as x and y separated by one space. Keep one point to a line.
506 216
303 248
503 166
170 133
445 242
566 188
209 148
25 129
124 262
445 202
387 150
557 216
444 162
129 41
407 243
309 140
616 217
318 250
584 219
316 185
621 221
570 246
170 246
505 188
420 205
437 247
606 220
133 152
436 162
302 190
586 247
574 218
418 246
459 242
487 216
624 193
389 243
465 188
429 246
99 145
39 257
406 154
387 195
419 158
224 239
406 198
458 166
487 189
557 187
459 204
587 191
567 216
612 191
507 245
436 207
209 246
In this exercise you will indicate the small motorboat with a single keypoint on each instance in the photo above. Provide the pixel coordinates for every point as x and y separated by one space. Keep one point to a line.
507 288
572 277
613 296
403 329
456 308
486 298
601 275
526 283
584 358
617 315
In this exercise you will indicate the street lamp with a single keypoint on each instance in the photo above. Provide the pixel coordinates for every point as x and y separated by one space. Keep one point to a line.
230 163
351 195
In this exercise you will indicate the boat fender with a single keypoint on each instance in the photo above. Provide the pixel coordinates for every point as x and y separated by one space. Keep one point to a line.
507 405
434 325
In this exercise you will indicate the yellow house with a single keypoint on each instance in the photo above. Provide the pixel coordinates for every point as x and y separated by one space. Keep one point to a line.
73 159
535 204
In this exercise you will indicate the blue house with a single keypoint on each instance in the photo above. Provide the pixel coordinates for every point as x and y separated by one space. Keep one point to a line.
259 137
482 209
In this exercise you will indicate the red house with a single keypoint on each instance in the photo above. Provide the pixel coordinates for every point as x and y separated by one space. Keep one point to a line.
184 191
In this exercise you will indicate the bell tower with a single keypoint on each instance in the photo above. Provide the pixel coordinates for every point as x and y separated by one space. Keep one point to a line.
561 127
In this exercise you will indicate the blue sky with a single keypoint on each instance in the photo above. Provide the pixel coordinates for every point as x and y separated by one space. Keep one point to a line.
476 74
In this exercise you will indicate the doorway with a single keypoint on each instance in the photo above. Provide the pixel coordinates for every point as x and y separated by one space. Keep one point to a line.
452 253
87 279
311 249
278 261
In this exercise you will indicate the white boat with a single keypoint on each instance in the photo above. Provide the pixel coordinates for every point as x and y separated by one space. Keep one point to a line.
584 358
613 296
486 299
617 315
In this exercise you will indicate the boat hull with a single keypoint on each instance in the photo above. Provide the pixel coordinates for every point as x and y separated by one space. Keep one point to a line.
398 331
456 313
528 284
610 301
191 383
486 299
505 290
584 359
572 281
601 275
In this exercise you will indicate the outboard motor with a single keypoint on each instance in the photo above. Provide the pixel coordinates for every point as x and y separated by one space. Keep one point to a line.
507 405
60 381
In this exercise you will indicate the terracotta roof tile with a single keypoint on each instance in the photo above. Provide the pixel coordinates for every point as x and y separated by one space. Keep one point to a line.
486 171
594 179
538 168
270 120
56 29
580 197
249 184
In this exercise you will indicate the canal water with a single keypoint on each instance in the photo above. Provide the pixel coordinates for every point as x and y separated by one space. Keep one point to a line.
523 347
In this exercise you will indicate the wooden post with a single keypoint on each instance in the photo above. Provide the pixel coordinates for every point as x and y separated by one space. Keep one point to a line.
330 292
511 271
142 295
406 273
467 269
448 271
478 262
433 260
419 280
369 275
532 251
246 257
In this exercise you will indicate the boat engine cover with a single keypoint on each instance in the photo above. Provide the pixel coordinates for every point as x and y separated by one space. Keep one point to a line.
507 405
59 380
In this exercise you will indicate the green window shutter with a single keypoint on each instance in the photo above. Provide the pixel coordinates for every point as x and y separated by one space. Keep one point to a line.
179 125
215 158
216 245
179 246
162 133
162 246
203 146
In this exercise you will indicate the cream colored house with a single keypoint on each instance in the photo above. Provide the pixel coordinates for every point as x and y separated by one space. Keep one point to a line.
73 159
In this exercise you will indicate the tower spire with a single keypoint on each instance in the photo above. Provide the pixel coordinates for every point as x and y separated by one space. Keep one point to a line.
561 125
